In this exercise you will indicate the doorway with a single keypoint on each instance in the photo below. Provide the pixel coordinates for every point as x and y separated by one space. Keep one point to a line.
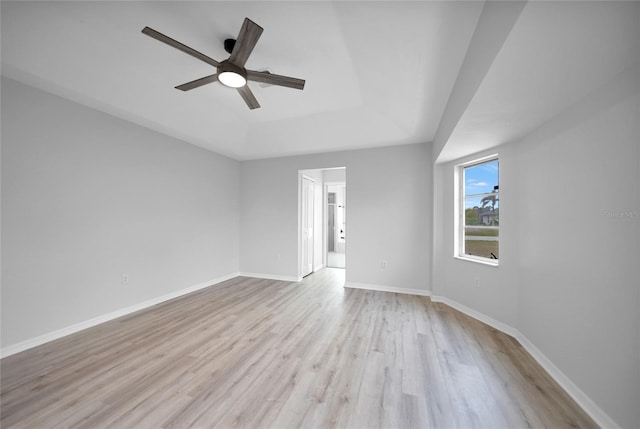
336 229
313 218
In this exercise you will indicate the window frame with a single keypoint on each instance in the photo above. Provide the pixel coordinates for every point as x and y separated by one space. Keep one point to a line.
460 219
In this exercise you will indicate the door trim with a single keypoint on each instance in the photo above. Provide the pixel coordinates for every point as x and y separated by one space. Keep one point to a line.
301 178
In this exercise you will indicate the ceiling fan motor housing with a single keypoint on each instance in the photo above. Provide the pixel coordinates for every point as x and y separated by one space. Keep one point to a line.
226 66
229 44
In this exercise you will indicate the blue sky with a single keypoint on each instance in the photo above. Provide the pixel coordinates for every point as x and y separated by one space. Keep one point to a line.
480 179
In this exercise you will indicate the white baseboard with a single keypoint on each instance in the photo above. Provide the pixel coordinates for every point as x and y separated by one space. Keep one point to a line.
318 267
271 277
59 333
477 315
600 417
385 288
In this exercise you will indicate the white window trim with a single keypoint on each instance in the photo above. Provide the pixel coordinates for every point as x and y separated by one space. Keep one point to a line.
458 236
479 260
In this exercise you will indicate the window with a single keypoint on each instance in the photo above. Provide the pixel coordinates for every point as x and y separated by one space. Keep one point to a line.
479 217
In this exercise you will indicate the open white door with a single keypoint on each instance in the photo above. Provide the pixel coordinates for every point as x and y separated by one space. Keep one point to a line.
307 226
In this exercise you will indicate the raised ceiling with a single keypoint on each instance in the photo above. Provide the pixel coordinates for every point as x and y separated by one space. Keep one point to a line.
377 73
557 55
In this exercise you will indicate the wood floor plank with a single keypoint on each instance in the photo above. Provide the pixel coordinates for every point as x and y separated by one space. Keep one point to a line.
262 353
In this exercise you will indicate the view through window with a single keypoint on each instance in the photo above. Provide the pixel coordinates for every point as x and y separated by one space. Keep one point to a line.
481 203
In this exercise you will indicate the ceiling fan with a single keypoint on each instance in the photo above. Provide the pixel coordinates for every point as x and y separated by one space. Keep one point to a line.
231 72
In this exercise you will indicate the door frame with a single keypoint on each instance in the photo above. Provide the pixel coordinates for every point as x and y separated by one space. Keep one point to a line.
301 173
301 177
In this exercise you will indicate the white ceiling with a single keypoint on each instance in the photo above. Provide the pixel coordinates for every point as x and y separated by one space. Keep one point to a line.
557 54
378 73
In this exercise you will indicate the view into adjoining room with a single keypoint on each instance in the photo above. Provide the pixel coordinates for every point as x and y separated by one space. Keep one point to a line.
323 225
336 225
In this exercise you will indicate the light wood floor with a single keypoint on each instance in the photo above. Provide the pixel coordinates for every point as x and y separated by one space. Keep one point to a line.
262 353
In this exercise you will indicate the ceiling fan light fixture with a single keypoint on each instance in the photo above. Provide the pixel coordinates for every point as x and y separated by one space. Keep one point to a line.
231 75
232 79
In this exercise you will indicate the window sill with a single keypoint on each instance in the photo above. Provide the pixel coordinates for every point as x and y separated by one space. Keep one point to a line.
482 261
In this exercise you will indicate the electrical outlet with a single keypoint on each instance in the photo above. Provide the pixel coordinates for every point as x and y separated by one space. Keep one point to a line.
476 281
124 279
384 264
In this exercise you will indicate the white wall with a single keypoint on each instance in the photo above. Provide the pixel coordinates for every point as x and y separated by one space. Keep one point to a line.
384 186
569 237
335 175
87 197
579 296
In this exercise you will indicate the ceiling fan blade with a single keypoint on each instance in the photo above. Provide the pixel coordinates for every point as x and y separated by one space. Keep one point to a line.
184 48
246 41
248 97
275 79
198 82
